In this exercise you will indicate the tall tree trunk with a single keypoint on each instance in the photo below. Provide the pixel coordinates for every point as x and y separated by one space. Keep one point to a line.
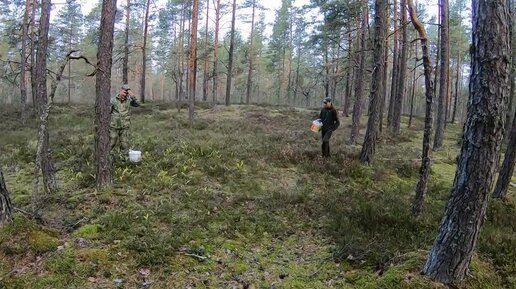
180 64
33 50
23 64
6 207
413 93
125 61
458 82
144 52
443 76
298 65
424 171
47 166
395 67
513 75
205 70
216 51
384 82
290 50
507 170
377 86
398 100
250 72
453 248
349 69
192 63
231 52
103 94
359 78
70 68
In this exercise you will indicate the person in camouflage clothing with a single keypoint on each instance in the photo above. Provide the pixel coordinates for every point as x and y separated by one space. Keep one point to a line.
120 118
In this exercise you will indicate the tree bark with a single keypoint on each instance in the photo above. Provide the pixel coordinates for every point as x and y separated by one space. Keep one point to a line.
103 94
384 83
458 82
33 50
443 76
453 248
192 63
359 78
349 69
231 52
413 93
377 87
250 72
23 64
395 66
400 91
205 70
6 207
125 61
47 166
216 51
424 171
507 170
144 52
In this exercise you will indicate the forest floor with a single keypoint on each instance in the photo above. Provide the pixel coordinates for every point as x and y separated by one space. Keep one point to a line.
242 200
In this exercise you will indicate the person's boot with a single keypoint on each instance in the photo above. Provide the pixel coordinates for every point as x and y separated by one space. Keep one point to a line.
326 149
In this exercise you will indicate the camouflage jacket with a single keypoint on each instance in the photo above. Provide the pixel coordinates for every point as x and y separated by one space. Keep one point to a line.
120 111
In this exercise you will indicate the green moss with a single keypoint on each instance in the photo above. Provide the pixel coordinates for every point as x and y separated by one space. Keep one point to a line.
41 242
90 231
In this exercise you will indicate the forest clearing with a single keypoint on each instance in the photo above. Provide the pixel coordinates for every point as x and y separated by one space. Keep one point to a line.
221 206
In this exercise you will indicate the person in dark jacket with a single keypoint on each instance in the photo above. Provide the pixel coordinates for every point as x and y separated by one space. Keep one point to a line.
330 122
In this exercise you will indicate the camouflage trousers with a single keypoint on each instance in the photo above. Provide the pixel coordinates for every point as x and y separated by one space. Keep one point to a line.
119 141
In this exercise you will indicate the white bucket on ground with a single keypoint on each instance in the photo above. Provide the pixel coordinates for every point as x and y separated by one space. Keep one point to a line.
135 156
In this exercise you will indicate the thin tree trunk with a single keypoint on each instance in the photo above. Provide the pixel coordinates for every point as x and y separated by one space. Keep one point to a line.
70 69
348 78
47 166
103 95
384 82
443 76
451 254
125 61
23 63
192 64
298 65
395 67
359 78
424 171
398 100
377 86
180 64
231 52
413 94
513 75
6 207
250 72
216 51
290 49
144 52
205 70
507 170
33 50
457 89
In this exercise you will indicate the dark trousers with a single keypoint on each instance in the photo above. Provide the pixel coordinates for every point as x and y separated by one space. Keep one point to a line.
326 135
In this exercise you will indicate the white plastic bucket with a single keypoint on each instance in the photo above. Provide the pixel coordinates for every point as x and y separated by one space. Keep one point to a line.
135 156
316 125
